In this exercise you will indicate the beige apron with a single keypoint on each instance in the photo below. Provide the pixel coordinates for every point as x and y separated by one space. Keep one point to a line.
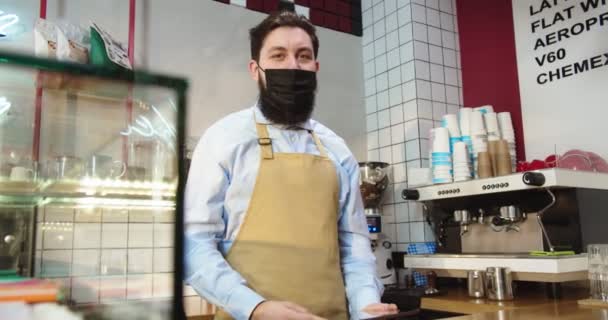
287 248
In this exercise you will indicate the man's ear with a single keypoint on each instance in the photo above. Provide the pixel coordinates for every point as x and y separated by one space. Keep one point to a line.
253 70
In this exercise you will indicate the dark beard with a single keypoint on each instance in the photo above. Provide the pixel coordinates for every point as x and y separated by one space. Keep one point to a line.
288 113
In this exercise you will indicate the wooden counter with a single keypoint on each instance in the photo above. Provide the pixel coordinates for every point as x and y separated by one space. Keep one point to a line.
528 304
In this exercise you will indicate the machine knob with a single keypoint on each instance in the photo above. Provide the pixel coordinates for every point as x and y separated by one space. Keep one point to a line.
410 194
389 264
533 178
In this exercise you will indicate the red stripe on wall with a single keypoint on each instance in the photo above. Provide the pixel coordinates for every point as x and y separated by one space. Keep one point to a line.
488 59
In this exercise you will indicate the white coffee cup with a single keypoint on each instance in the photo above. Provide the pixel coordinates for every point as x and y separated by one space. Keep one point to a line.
450 121
484 109
491 122
464 119
477 124
441 140
21 174
505 123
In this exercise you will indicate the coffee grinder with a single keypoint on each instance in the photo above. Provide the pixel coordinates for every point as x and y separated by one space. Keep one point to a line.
373 183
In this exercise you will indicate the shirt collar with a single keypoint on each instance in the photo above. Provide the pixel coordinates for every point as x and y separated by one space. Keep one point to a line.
260 118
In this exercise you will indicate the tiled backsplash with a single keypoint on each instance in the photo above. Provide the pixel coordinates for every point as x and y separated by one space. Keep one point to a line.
106 254
411 59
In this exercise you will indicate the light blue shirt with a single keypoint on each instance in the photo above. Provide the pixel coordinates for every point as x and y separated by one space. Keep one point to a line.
220 183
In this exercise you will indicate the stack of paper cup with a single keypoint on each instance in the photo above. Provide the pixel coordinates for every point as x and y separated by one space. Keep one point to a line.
461 162
505 124
441 158
484 109
491 122
450 121
476 124
464 120
479 140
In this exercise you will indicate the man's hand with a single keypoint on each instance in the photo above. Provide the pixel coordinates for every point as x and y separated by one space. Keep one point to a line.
282 310
381 309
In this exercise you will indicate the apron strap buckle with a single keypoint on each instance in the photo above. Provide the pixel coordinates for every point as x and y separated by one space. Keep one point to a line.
264 141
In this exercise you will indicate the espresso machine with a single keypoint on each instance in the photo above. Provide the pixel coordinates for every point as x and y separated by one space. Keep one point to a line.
373 183
536 223
551 210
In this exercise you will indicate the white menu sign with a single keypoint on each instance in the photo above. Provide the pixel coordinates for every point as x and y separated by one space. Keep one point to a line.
562 59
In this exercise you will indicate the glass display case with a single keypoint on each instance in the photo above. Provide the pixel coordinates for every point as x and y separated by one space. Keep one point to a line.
91 182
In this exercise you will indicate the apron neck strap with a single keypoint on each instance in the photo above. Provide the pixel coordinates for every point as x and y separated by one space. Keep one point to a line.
321 148
266 143
264 140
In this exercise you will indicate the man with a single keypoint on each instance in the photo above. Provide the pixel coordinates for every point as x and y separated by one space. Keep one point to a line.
274 219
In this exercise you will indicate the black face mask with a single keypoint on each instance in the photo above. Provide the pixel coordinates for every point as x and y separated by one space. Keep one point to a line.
289 95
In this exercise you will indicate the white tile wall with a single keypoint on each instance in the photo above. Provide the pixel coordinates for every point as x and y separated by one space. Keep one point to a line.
401 213
88 215
421 50
404 15
380 46
432 17
85 262
163 235
399 173
397 132
59 214
56 263
372 140
435 54
398 155
163 260
425 109
390 6
384 137
418 13
384 119
403 232
393 58
407 52
410 111
433 4
87 235
87 249
392 22
420 32
139 286
114 235
411 129
370 104
423 89
113 262
412 78
162 285
395 97
439 110
382 100
422 70
435 36
388 213
140 261
408 91
382 80
192 306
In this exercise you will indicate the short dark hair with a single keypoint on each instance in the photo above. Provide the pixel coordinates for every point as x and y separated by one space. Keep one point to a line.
285 18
